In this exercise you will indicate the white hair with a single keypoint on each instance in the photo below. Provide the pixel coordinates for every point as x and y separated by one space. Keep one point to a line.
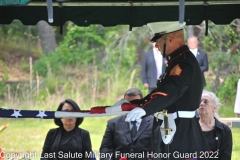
215 101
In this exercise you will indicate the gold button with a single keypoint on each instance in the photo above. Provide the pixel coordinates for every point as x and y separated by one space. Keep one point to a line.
167 64
140 104
145 100
169 57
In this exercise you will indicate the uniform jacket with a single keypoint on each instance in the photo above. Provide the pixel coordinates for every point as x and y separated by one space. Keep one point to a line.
149 70
179 89
53 139
117 138
202 59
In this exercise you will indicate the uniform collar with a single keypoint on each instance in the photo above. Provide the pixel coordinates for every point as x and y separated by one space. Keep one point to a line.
178 52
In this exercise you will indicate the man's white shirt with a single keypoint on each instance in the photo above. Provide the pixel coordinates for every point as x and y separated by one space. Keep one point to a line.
158 59
194 51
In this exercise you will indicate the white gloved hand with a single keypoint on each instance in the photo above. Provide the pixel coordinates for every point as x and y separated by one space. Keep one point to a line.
135 114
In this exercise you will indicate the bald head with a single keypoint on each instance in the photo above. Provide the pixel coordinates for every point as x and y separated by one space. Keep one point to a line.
175 40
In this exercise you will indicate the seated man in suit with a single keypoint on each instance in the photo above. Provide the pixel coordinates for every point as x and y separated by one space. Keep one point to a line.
201 56
122 139
153 65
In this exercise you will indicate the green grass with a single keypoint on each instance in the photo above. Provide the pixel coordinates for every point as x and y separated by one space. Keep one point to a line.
226 111
236 143
29 134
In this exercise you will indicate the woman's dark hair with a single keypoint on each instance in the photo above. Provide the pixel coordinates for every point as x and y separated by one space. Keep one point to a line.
58 121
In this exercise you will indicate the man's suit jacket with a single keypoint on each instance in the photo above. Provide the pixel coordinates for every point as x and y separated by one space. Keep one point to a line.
203 62
117 138
149 70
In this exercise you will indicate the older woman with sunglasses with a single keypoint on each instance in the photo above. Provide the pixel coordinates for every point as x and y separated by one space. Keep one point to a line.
217 134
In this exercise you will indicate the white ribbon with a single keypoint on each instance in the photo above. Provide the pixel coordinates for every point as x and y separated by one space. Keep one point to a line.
62 114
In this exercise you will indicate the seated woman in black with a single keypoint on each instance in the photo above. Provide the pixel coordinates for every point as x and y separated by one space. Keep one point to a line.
218 135
68 141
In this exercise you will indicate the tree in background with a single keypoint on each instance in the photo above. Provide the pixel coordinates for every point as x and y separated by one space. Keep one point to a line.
111 48
223 47
47 37
224 60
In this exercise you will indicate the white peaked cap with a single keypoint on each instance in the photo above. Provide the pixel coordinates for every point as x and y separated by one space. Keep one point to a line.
161 28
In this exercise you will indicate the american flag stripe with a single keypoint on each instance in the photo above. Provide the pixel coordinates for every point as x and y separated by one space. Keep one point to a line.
12 113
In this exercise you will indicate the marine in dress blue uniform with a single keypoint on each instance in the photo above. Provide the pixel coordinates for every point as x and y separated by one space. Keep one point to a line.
178 93
174 100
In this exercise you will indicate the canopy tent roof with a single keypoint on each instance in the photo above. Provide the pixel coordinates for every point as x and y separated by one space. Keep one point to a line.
116 12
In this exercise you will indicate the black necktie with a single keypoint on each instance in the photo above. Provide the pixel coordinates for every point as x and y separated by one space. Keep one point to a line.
134 129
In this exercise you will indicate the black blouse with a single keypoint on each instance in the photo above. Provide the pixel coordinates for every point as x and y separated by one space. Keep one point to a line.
68 145
211 139
60 144
223 141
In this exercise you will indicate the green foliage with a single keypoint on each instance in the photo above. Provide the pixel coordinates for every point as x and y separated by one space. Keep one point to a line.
3 79
219 44
40 66
120 52
227 93
221 38
24 64
3 83
80 45
214 58
224 63
46 64
228 90
19 38
112 49
16 31
51 84
227 87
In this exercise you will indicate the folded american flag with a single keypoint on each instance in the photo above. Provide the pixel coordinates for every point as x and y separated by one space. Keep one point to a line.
14 113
